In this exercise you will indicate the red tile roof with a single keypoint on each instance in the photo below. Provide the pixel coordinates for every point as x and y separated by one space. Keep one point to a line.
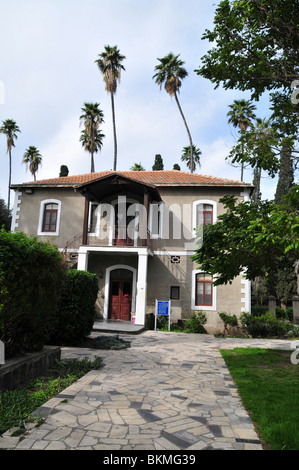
155 178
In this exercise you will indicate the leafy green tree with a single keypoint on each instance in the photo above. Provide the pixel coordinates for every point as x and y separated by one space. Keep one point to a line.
137 167
91 136
110 65
285 123
158 165
255 46
177 167
240 115
5 216
33 159
170 72
259 148
186 157
255 49
10 129
286 174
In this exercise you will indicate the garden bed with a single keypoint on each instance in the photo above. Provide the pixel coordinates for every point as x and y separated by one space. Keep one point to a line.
28 366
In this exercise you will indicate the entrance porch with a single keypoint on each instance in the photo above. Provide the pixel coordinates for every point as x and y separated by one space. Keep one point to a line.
117 327
123 280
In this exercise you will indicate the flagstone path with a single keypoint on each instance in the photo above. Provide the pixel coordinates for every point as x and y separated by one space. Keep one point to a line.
168 391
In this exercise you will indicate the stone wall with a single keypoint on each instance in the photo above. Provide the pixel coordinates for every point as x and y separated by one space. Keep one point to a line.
21 369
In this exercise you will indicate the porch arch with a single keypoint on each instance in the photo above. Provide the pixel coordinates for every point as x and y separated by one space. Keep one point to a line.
107 286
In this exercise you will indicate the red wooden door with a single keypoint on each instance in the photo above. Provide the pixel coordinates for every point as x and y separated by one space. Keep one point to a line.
120 299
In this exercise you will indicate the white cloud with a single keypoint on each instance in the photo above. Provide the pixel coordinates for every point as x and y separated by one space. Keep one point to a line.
48 70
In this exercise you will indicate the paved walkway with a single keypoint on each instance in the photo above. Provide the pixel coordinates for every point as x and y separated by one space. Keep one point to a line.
168 391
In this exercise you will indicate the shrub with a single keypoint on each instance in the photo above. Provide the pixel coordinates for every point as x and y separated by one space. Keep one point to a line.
258 310
264 326
230 321
196 322
30 275
76 308
284 314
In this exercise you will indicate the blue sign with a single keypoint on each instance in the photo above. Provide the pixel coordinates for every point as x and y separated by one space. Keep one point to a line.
162 307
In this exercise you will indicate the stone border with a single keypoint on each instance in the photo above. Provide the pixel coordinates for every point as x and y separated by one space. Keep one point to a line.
21 369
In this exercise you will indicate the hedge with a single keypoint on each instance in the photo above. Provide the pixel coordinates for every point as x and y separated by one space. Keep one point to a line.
267 326
30 275
75 313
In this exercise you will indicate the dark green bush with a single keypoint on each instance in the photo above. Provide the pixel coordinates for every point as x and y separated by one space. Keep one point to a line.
30 275
76 308
196 322
264 326
229 321
258 310
284 314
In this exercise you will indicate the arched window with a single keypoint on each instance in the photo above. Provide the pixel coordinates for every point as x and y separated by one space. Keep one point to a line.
204 213
204 293
49 217
204 290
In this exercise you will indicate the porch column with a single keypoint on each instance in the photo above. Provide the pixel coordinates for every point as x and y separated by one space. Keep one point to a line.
82 260
141 289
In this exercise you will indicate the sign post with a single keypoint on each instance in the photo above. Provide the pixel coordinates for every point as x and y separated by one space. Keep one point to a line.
2 353
162 308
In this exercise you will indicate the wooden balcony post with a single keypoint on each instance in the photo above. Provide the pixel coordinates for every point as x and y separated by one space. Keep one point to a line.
85 222
144 231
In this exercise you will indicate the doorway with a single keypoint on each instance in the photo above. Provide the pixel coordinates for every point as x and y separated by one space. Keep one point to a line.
120 298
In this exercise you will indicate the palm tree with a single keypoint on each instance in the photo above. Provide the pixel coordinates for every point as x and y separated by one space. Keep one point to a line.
92 147
171 72
137 167
261 140
10 129
91 137
110 65
186 157
240 114
33 159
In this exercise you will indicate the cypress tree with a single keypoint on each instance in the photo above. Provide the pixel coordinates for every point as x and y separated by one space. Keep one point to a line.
158 165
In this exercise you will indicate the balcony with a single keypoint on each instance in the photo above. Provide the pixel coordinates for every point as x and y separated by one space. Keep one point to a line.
119 236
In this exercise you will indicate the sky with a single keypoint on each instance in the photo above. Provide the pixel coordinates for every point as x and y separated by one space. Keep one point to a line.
48 71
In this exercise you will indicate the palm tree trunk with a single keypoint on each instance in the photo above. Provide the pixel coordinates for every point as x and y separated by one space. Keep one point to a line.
92 163
114 132
190 139
242 164
9 180
91 153
257 184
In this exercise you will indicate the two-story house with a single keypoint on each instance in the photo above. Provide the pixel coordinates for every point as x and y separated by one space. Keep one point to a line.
136 231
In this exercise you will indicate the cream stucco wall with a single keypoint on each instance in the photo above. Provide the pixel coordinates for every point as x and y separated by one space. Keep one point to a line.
162 271
71 218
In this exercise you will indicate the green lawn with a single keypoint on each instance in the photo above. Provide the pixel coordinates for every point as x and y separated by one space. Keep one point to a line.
268 385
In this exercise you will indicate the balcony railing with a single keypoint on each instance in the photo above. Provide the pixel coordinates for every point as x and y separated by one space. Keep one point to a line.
122 236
